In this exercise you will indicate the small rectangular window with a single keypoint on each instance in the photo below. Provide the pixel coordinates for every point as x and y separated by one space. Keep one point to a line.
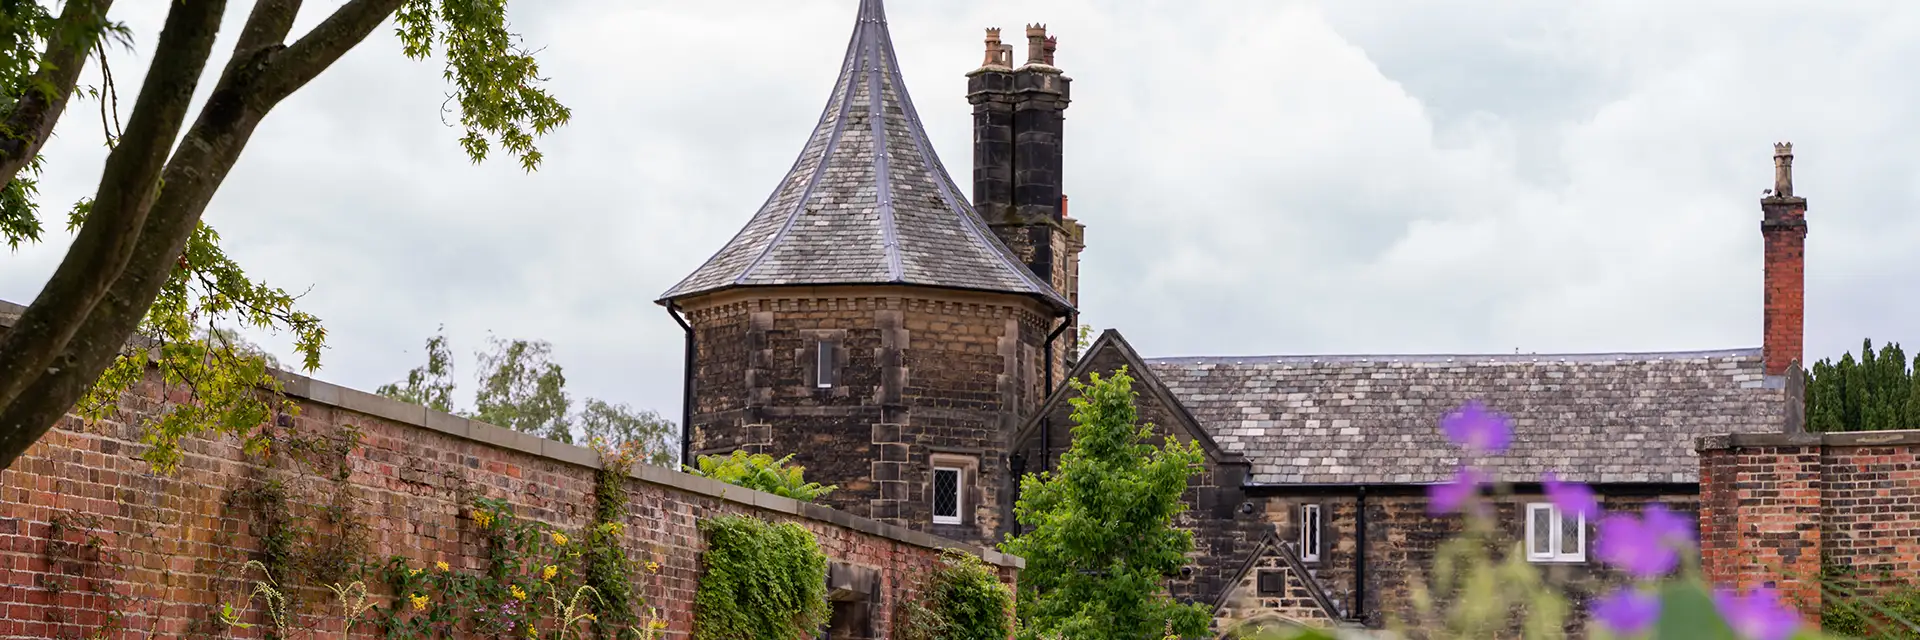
946 495
827 357
1553 536
1310 533
1272 583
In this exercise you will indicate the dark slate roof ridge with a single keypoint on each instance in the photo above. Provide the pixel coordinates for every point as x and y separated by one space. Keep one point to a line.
1626 356
876 104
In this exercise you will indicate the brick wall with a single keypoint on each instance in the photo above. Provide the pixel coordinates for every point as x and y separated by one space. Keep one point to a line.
88 532
1778 508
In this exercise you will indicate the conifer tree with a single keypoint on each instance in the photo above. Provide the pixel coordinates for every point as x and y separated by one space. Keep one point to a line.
1101 541
1877 392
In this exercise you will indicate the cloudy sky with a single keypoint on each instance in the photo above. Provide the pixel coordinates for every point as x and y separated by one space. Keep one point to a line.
1257 176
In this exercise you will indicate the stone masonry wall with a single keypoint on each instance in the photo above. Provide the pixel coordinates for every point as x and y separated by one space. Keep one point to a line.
918 374
1402 541
91 537
1777 509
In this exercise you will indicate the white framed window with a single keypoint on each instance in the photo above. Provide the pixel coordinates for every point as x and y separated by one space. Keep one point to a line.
1310 526
1553 536
826 357
948 494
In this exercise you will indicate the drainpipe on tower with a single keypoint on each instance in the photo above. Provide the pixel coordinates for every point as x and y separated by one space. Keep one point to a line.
686 399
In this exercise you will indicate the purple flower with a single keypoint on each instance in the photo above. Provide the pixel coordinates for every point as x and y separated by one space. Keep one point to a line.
1628 611
1670 527
1449 497
1757 615
1474 427
1571 497
1629 544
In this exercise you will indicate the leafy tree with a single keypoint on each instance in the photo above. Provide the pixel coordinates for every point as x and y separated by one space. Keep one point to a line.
615 424
1875 393
761 472
430 384
141 260
521 388
1101 541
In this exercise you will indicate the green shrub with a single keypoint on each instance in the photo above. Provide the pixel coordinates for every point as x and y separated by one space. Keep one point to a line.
761 472
963 600
762 581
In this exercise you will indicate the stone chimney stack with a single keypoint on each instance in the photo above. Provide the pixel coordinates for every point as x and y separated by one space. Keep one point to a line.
1017 134
1783 227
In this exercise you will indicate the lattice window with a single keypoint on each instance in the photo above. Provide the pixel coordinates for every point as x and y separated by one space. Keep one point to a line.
947 495
1553 536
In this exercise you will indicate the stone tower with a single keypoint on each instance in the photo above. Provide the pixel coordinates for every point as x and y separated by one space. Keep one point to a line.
869 322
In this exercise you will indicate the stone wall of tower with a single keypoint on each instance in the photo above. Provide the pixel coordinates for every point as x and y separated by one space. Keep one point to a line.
918 375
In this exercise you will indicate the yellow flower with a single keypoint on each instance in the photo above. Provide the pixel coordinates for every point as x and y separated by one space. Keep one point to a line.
653 566
441 565
413 572
658 624
419 601
547 573
531 633
483 518
588 617
559 538
517 593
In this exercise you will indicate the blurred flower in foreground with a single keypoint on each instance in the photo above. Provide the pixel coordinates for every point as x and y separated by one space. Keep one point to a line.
1627 611
1449 497
1571 497
1759 615
1635 546
1478 429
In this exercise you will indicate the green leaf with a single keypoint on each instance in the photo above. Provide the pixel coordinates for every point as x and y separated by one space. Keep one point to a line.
1687 613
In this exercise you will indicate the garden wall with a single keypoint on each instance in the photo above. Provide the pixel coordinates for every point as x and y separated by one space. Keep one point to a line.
1778 509
92 540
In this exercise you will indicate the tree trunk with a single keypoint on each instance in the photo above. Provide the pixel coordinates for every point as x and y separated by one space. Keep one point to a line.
33 118
112 231
258 77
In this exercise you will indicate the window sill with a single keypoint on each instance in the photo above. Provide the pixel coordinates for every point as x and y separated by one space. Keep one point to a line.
1556 560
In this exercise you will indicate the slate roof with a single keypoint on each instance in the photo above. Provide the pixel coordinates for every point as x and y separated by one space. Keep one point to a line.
868 201
1375 419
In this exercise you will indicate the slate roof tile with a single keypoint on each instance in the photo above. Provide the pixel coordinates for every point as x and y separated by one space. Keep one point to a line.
1592 418
868 201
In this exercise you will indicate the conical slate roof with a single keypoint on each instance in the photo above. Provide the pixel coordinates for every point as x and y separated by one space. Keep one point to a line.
867 202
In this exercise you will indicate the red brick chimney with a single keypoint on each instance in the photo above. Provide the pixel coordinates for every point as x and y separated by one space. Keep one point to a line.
1783 226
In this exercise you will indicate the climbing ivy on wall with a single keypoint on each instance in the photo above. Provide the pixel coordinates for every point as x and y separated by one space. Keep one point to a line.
962 600
762 580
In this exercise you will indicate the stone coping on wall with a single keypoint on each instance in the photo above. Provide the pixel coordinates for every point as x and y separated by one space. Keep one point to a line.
327 393
1838 439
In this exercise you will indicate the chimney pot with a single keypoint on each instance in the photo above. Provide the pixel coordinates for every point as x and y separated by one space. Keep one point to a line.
1783 169
993 48
1053 42
1036 44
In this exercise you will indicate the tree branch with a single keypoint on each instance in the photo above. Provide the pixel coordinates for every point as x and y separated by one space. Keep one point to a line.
55 351
32 120
302 61
267 26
